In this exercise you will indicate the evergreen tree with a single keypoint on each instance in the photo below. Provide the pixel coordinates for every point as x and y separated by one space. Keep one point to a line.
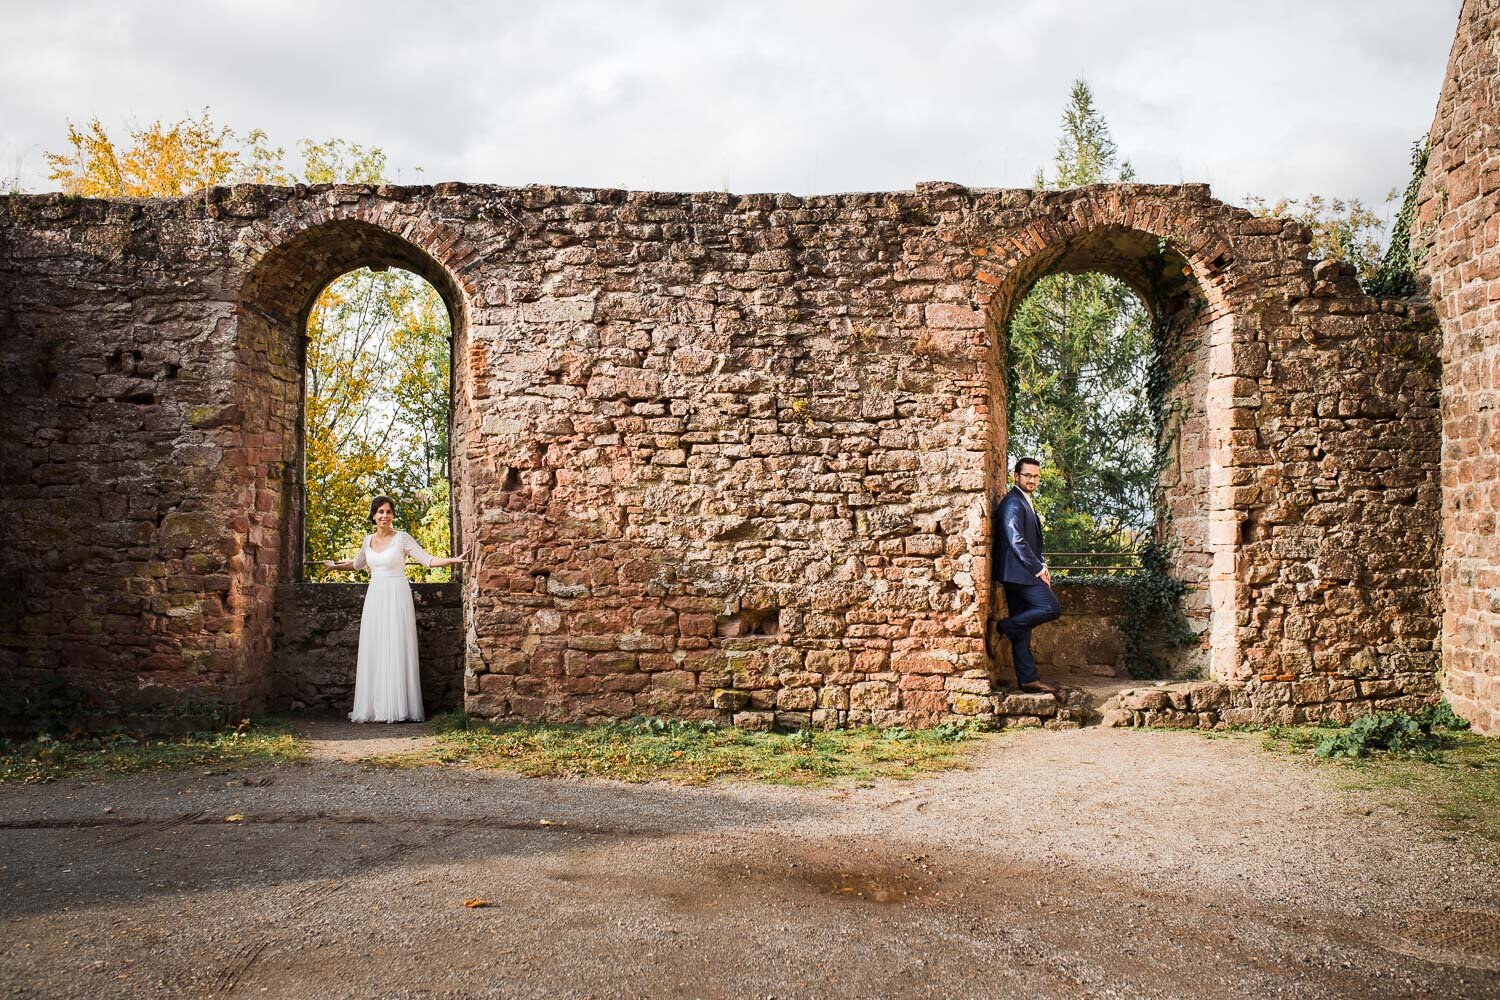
1080 349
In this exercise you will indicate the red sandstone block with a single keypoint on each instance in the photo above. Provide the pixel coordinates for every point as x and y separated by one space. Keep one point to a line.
926 702
826 661
921 682
547 663
612 663
604 706
657 620
695 625
920 663
798 699
950 316
496 684
795 678
536 686
674 680
632 571
657 662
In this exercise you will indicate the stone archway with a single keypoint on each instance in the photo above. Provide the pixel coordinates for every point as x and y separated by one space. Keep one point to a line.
1176 264
284 281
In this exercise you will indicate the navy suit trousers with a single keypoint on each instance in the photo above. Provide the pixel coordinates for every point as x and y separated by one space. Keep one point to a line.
1030 605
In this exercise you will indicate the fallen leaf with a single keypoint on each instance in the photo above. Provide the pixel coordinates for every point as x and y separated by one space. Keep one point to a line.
237 817
476 903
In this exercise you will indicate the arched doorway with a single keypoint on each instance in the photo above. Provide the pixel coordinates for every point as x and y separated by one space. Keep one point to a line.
1188 318
300 637
377 376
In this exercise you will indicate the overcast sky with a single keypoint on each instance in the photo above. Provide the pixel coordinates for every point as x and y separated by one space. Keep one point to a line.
1272 97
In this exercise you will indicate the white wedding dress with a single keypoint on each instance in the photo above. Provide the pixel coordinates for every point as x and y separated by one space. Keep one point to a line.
387 683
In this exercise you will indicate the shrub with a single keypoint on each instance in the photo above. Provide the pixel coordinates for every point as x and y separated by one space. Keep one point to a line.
1442 716
1392 732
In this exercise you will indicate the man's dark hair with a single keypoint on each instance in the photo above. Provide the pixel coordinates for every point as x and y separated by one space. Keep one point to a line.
1026 460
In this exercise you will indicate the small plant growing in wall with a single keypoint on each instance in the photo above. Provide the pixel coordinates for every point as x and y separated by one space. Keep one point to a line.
802 410
1151 617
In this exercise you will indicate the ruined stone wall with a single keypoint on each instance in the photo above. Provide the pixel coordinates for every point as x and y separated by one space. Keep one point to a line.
716 456
1347 491
1457 230
317 628
116 366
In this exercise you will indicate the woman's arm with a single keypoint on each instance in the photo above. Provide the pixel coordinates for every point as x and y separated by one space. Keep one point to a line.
414 549
358 562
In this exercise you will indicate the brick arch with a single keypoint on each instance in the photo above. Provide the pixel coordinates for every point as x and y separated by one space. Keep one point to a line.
1176 255
285 265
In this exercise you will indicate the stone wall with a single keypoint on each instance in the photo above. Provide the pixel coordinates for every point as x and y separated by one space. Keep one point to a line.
1084 642
317 633
1457 229
713 454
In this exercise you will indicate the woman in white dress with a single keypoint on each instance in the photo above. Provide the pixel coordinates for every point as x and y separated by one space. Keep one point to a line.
387 682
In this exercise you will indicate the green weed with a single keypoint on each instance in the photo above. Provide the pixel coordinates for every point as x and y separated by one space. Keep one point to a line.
45 759
648 749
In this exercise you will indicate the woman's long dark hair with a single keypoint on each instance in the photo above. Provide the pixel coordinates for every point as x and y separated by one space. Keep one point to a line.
379 502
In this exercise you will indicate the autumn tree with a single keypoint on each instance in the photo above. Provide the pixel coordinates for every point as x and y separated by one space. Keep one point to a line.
169 160
1080 346
162 161
1344 229
376 403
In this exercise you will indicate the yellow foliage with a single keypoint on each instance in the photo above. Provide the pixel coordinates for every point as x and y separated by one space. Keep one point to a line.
164 161
377 413
169 160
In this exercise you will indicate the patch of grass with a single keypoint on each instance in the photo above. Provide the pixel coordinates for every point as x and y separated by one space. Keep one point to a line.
1460 786
1440 770
646 749
44 759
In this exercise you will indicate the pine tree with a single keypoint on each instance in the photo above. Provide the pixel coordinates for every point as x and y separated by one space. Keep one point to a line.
1080 348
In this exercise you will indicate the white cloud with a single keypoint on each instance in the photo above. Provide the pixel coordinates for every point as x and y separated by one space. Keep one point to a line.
1278 98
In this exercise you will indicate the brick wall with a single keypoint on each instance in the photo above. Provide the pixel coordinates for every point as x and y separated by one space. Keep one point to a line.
713 453
1458 228
317 634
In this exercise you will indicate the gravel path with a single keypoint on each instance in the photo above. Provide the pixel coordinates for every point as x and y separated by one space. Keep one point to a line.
341 740
1088 863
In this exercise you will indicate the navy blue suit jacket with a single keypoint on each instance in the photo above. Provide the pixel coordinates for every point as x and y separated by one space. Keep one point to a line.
1017 554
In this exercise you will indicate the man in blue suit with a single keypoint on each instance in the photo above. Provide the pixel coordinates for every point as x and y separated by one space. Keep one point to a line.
1017 564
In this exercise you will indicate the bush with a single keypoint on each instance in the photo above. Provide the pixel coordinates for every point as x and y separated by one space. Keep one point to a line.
1442 716
1393 732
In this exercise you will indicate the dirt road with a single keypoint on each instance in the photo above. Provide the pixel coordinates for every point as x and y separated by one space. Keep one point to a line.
1089 863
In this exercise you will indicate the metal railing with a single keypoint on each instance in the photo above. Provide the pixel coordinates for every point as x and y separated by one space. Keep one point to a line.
1093 563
